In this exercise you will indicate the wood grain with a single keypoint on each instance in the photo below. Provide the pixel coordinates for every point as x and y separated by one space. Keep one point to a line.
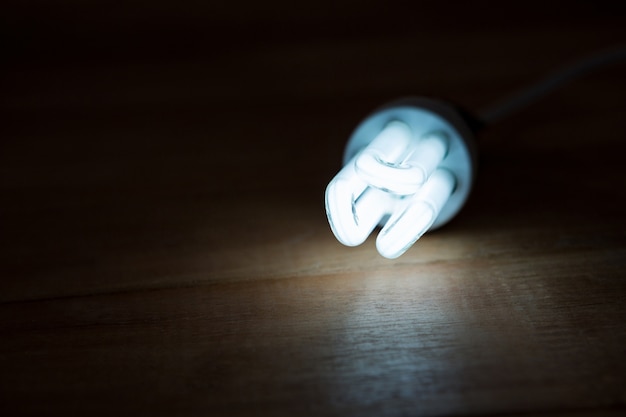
164 247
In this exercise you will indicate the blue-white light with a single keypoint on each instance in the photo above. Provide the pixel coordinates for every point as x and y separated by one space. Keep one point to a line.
405 165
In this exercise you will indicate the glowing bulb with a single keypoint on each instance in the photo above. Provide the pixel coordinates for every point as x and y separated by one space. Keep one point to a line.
411 219
408 169
382 163
354 209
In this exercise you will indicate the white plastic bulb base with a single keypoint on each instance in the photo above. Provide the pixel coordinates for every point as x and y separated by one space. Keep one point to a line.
409 168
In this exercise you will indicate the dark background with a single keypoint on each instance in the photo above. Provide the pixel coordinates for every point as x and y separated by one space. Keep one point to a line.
163 245
111 54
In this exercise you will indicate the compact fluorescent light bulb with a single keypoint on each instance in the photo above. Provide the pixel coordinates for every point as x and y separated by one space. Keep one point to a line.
409 168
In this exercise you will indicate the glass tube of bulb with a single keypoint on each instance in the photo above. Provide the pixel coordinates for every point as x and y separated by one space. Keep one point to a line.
394 176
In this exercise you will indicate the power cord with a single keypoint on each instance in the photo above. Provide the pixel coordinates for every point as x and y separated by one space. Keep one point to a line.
527 96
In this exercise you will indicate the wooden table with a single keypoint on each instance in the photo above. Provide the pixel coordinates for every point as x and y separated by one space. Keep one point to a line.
164 246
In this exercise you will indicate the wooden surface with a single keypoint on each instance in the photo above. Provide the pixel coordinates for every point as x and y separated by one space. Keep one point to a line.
163 243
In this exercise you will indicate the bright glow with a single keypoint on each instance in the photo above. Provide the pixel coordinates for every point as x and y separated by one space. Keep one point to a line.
381 164
395 177
353 208
414 215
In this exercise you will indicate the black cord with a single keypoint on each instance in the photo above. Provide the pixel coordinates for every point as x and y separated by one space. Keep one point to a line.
525 97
